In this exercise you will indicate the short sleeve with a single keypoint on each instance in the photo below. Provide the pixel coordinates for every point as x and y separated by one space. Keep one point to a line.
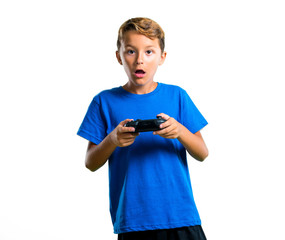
93 127
191 117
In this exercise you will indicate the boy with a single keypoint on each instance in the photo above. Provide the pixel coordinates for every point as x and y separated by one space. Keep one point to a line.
150 190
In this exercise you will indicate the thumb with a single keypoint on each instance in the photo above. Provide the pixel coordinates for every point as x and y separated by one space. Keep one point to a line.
163 115
125 121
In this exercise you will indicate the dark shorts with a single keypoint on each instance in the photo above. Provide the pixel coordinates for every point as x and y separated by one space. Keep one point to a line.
184 233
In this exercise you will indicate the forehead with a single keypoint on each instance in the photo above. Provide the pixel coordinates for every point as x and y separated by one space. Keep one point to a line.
132 38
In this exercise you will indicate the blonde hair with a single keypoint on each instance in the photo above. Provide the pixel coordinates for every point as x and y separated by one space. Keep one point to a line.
144 26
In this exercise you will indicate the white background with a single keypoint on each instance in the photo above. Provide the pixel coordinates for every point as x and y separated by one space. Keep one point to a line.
56 55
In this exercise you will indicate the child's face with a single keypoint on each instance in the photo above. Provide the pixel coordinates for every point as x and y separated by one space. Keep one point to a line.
140 57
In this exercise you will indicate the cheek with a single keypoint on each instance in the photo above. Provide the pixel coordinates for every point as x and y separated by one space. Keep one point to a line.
127 69
155 63
128 60
155 60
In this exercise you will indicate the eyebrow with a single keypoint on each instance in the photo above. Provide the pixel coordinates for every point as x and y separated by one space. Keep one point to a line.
129 45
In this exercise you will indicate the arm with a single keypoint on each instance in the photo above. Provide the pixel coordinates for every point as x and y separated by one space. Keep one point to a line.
193 143
97 155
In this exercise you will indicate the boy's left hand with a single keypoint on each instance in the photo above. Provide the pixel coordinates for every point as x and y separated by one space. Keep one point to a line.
170 129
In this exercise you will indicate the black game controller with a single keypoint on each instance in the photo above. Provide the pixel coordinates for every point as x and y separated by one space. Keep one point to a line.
146 125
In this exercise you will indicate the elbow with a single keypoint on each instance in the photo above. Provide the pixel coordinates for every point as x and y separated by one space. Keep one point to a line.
204 153
89 167
202 156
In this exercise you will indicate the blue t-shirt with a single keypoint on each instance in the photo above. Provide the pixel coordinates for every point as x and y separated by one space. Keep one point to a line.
149 181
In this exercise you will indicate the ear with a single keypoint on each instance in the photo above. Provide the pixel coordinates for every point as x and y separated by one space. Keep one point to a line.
162 58
119 57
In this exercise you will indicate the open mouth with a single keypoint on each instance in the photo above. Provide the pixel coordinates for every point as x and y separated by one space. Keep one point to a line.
140 73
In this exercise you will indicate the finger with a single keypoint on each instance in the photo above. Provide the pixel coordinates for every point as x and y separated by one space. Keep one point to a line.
170 124
122 127
167 135
166 124
128 129
125 121
167 129
126 141
123 130
161 132
167 118
163 115
129 135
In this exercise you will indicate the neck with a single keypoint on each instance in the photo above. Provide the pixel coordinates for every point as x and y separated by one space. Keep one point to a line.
140 89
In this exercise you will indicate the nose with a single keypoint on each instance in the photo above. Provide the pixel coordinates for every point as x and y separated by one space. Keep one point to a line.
140 59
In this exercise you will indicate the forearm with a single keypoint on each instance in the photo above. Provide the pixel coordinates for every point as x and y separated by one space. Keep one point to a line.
97 155
121 136
194 144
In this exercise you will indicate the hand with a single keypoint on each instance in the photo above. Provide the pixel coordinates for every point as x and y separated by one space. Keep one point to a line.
123 136
171 128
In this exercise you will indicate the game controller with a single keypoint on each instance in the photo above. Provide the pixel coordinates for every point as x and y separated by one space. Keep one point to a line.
146 125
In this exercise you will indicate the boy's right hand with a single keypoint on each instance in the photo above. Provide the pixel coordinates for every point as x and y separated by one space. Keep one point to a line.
123 136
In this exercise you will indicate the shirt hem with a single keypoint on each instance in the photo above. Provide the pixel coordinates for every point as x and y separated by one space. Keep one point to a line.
88 137
155 227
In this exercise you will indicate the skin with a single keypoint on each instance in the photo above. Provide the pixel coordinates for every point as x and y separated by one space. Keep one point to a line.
139 52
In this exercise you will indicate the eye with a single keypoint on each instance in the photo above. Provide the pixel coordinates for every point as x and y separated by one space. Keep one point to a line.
131 51
148 52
